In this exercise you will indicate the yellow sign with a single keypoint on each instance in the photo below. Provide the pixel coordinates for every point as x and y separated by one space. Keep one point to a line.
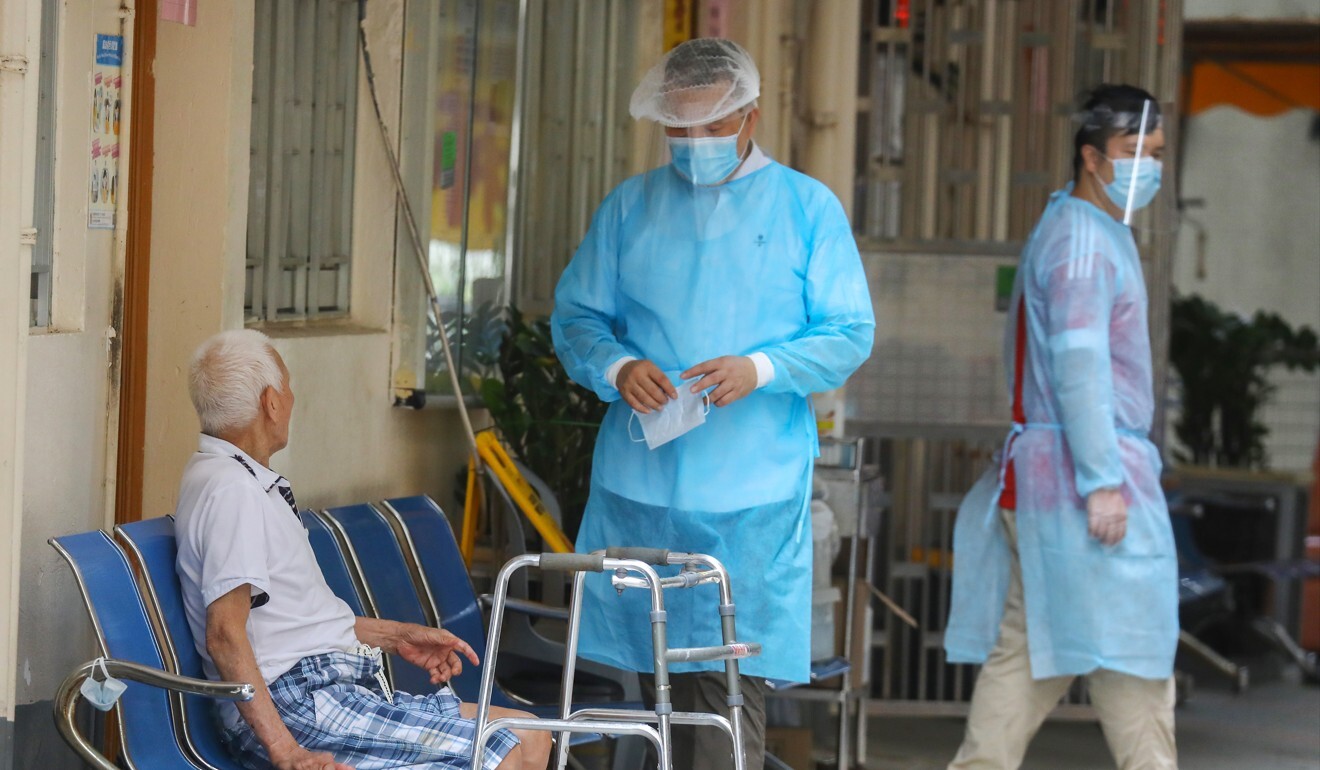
678 22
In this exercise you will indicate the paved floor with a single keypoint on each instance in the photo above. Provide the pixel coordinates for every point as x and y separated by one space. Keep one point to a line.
1272 726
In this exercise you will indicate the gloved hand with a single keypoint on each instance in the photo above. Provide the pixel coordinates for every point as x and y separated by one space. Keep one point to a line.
1106 515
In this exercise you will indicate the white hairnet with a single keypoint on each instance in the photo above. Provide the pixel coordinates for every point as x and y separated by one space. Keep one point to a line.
698 82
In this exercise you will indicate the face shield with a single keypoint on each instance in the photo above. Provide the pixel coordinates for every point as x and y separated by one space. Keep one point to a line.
698 101
1139 178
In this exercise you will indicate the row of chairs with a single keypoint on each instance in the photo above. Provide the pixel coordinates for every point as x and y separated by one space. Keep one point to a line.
398 561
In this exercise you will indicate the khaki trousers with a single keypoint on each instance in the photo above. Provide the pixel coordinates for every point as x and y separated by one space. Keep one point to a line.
1008 706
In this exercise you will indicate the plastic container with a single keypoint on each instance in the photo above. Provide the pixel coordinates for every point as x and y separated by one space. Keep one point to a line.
825 543
823 602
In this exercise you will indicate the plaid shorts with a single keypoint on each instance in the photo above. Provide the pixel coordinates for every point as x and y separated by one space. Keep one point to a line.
332 703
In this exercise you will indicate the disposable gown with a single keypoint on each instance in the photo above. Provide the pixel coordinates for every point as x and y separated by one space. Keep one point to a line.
1087 396
767 263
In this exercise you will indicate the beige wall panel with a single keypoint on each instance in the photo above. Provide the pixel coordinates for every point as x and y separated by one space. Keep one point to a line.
348 442
68 384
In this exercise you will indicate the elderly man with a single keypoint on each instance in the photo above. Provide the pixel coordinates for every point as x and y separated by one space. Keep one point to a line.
720 279
262 613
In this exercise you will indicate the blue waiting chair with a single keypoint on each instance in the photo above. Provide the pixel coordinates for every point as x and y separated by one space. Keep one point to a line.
374 550
445 585
147 729
151 547
370 548
341 578
443 582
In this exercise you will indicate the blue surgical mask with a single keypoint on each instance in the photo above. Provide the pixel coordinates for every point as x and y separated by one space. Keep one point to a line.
707 160
102 694
1148 173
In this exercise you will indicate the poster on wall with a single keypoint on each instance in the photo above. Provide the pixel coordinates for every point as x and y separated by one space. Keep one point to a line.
103 184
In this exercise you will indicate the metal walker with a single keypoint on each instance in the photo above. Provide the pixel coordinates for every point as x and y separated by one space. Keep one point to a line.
632 568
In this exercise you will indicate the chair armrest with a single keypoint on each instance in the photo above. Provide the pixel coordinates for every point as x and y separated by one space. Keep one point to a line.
527 607
66 699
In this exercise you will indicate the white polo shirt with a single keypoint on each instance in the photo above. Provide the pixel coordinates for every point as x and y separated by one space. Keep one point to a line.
234 528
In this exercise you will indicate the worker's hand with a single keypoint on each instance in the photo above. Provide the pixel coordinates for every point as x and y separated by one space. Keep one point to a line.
1106 515
291 756
732 377
435 650
644 386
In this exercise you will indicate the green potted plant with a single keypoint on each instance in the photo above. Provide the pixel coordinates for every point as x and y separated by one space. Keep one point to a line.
547 420
1223 361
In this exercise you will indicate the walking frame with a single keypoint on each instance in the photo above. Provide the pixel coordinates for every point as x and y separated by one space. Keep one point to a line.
631 568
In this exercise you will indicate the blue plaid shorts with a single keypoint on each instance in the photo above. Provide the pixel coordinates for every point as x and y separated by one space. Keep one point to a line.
332 703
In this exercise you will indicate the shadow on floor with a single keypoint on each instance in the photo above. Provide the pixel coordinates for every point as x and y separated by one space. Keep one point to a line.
1274 725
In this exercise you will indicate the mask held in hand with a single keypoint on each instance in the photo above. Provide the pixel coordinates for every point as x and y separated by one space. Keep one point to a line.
677 417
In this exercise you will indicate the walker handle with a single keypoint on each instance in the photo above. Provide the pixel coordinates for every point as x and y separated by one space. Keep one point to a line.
655 556
573 562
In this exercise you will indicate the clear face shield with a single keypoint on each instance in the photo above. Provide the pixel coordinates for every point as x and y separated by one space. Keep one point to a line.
1139 178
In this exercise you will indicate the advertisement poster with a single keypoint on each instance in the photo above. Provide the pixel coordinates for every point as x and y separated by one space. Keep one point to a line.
103 188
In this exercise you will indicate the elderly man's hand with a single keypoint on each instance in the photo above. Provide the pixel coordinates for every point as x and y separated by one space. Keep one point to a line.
435 650
644 386
732 377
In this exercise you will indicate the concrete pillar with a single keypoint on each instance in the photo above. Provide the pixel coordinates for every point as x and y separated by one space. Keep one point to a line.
765 28
830 88
20 26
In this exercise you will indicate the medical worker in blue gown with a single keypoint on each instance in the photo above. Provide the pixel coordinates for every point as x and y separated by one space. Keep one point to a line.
1064 561
709 299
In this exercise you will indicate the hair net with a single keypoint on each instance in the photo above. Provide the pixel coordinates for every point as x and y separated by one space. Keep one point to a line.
698 82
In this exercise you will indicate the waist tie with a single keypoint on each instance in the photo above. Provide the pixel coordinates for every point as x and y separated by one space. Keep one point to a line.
1022 427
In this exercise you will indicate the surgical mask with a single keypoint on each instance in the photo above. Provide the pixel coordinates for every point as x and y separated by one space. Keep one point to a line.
677 417
105 693
1147 173
707 160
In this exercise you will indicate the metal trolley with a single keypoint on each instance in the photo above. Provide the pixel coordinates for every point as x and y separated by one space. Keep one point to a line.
632 568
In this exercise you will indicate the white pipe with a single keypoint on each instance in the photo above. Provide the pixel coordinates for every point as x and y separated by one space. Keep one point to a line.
20 36
127 12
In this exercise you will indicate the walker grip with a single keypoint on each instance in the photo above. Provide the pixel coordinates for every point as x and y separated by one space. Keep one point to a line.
655 556
573 562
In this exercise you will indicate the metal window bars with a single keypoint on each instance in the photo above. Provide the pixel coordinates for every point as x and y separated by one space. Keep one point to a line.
300 194
965 114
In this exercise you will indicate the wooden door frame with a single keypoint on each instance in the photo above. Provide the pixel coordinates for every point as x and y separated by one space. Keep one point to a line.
137 271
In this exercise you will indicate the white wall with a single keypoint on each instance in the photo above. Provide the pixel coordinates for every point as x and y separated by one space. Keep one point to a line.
68 385
19 35
1196 10
1260 180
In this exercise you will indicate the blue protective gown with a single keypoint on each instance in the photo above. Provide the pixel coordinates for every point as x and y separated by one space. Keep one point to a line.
767 263
1087 396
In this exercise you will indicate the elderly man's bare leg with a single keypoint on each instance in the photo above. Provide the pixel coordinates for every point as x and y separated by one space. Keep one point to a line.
533 751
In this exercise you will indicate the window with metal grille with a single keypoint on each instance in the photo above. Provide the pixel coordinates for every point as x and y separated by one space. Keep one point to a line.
300 195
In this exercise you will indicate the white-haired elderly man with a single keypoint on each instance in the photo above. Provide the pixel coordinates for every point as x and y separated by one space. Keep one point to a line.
262 613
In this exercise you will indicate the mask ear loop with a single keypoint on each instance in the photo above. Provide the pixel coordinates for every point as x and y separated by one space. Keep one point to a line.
632 418
105 672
